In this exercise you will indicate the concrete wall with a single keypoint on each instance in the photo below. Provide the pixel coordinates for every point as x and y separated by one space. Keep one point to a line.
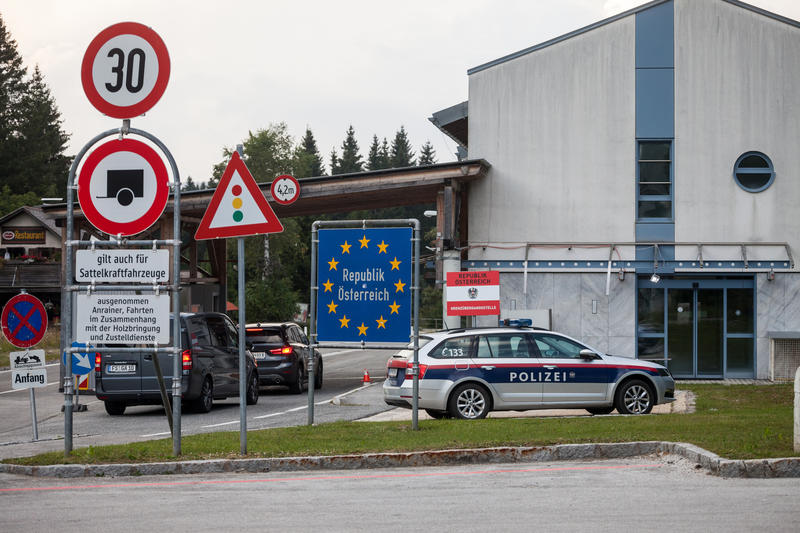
557 125
611 329
737 75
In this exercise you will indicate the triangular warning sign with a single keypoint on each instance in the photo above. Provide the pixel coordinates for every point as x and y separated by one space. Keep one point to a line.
238 207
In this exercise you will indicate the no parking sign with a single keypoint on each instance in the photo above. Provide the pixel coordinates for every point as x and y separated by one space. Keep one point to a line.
24 320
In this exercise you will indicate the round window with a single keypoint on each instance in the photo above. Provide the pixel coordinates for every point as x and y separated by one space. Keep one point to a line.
753 171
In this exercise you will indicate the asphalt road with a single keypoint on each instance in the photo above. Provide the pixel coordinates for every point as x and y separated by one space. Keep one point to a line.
343 372
641 494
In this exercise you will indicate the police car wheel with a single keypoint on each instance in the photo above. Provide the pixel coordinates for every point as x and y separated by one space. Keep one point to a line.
634 398
469 401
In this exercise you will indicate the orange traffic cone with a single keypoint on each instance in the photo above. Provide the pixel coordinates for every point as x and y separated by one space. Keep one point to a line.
366 379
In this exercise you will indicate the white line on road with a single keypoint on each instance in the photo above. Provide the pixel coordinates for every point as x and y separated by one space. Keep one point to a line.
157 434
21 390
325 355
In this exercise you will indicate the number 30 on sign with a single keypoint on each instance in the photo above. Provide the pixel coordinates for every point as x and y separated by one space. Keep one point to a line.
125 70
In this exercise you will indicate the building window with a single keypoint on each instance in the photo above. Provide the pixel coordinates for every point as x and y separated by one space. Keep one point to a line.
753 171
654 181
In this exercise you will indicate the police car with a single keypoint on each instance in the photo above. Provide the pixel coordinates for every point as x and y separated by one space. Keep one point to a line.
467 373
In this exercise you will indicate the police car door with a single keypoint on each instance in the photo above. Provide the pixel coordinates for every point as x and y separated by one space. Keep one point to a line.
566 377
507 362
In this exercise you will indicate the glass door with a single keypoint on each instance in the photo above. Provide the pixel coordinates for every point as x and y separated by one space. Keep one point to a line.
709 319
701 328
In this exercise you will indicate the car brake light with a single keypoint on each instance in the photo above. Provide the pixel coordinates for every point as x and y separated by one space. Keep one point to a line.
97 362
186 358
410 366
285 350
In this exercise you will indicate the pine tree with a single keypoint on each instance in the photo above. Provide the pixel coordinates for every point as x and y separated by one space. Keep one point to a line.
401 154
32 141
308 162
373 162
351 158
427 155
335 162
44 167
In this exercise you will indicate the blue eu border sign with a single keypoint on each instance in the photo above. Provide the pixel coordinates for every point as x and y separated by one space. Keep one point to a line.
364 280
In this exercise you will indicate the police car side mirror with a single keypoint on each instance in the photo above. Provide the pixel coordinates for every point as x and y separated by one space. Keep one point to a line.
588 355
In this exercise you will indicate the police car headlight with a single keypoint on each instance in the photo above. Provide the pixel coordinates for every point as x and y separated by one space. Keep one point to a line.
664 372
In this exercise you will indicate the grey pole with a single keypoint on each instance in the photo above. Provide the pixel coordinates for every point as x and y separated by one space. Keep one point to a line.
312 322
33 414
242 325
242 361
415 365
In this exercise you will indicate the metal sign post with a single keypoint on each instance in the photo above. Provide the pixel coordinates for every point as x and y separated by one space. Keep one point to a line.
118 241
28 372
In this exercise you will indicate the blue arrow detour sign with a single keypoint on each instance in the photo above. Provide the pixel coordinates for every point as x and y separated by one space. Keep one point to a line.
364 280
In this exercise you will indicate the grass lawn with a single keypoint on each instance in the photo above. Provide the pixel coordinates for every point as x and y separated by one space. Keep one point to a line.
51 344
734 421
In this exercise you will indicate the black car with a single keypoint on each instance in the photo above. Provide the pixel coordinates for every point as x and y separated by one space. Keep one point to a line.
209 361
282 351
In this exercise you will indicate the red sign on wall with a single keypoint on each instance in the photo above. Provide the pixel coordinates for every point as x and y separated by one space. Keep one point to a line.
473 293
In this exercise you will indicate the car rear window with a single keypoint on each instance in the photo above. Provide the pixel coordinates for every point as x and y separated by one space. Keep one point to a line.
264 336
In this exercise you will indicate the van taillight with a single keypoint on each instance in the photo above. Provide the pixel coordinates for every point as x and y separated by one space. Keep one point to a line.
97 362
186 357
410 366
285 350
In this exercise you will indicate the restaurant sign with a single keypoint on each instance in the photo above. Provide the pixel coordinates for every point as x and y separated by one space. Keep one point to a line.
23 235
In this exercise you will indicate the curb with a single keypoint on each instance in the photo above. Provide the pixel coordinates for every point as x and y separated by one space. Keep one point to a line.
754 468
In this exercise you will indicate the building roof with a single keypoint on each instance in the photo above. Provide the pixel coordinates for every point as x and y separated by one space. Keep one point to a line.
37 213
453 122
615 18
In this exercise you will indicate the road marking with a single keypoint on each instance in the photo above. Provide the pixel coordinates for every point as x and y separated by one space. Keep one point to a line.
326 355
157 434
333 478
25 390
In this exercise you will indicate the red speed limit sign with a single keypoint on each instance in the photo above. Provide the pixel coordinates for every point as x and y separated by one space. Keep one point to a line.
125 70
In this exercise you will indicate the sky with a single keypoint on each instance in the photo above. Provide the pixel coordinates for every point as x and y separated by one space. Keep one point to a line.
238 66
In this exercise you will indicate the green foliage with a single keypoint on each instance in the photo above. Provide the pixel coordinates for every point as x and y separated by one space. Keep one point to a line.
190 185
307 161
427 155
378 157
268 153
401 154
10 201
734 421
32 141
350 161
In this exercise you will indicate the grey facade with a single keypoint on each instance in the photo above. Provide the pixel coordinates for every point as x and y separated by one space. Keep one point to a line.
624 149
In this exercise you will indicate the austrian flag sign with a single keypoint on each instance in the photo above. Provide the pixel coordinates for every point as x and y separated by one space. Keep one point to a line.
473 293
364 279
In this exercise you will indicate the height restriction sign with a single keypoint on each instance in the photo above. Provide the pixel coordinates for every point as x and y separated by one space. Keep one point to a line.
123 187
125 70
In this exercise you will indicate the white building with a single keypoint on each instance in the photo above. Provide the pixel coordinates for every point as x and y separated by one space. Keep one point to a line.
663 140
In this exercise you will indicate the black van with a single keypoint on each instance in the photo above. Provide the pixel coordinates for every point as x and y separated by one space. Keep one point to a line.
209 361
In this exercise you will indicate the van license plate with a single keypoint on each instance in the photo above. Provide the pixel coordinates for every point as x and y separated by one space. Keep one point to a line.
121 369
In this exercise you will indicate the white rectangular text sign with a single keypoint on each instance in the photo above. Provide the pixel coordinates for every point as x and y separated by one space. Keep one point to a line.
122 318
121 266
